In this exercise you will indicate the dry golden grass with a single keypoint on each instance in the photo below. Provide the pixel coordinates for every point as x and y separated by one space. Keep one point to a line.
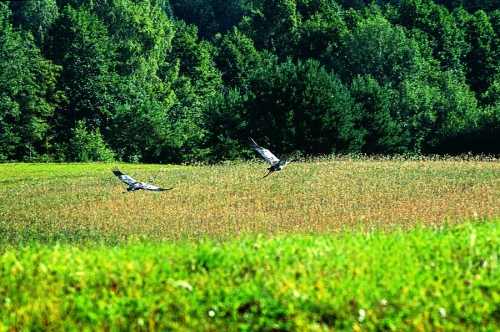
323 195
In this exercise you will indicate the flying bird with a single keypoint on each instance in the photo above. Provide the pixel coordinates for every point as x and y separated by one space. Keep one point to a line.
276 164
135 185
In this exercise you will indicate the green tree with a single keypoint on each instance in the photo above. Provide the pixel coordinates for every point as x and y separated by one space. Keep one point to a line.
226 123
37 17
27 93
441 32
142 89
302 103
486 136
286 104
382 50
436 113
300 29
472 5
142 34
85 146
321 31
492 96
141 131
237 58
383 134
274 27
81 46
212 16
114 58
194 84
482 61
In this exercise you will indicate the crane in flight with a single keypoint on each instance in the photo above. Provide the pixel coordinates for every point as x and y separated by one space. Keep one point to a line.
135 185
276 164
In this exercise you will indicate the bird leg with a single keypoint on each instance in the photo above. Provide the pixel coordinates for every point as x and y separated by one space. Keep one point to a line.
268 173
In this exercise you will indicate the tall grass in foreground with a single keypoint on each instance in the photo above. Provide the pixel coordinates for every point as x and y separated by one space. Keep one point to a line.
84 202
424 279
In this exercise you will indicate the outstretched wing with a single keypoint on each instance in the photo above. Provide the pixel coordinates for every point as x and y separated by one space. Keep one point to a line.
268 156
288 158
123 177
154 188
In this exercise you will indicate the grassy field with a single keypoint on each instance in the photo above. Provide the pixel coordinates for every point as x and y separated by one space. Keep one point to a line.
423 279
85 202
329 244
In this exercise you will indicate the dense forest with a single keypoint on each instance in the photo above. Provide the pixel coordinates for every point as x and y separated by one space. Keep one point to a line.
173 81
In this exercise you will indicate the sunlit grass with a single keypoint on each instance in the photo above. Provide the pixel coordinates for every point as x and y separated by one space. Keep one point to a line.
344 243
83 202
442 279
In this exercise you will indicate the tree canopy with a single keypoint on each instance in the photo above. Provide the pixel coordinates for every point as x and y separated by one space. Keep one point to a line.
183 81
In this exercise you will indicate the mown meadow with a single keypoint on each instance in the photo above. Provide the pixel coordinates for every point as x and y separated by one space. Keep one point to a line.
336 243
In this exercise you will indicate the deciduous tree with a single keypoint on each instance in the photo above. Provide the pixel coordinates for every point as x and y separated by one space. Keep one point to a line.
27 93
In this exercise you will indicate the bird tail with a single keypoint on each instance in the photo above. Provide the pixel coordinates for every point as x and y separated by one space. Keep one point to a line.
116 171
252 144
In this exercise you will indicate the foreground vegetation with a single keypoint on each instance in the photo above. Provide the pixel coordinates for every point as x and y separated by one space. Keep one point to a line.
336 243
424 279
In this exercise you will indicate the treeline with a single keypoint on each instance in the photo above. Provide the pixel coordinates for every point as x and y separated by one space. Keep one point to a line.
190 80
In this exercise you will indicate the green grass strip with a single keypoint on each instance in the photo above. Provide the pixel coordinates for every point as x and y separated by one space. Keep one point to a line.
424 279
